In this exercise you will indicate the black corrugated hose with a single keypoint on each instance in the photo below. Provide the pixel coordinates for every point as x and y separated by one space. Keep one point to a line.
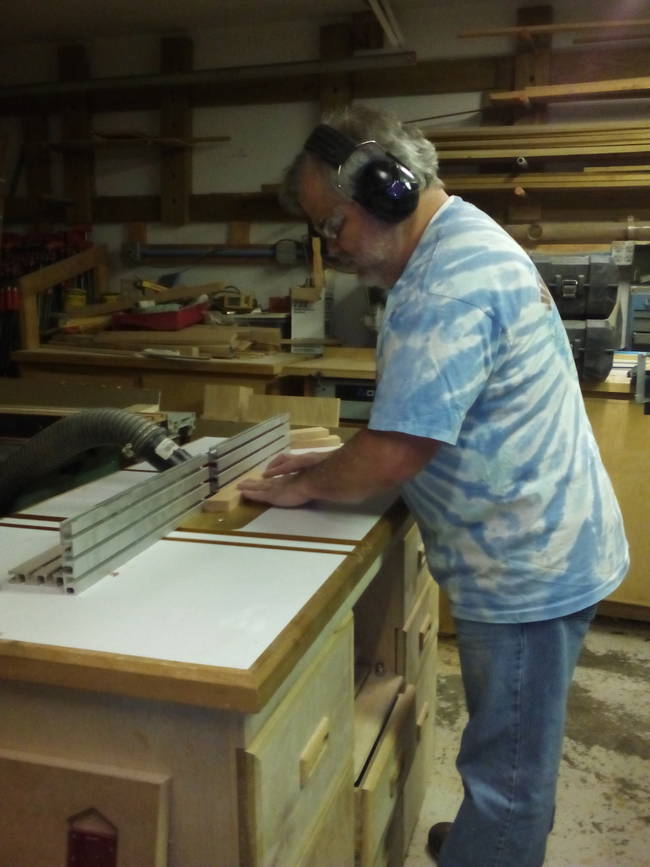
58 443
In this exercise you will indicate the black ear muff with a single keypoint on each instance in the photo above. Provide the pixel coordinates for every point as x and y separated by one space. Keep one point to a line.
385 187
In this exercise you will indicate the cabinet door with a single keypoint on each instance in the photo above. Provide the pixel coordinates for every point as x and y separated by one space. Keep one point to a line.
288 769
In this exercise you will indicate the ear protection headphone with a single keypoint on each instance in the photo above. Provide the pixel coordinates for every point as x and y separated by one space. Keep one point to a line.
385 187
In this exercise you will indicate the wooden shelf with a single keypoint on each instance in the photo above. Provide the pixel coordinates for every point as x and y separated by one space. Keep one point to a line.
101 142
532 29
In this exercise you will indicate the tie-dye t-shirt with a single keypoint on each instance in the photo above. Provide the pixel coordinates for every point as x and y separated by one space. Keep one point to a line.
516 511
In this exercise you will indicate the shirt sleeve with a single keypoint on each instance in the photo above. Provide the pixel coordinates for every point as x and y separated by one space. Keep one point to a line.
434 358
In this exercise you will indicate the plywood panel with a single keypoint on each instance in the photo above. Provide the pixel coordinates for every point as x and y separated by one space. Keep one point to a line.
40 795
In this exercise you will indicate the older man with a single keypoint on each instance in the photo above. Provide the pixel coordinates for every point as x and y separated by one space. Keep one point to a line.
478 419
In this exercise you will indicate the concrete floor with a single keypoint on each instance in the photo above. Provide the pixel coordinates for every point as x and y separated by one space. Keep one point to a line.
603 803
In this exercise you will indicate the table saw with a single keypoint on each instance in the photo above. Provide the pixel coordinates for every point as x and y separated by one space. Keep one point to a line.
245 689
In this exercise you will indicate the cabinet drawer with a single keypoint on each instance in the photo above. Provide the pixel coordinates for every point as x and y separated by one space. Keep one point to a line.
420 772
332 841
291 764
381 785
418 633
416 573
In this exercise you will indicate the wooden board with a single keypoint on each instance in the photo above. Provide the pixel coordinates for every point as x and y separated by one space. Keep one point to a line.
225 402
229 496
311 411
617 87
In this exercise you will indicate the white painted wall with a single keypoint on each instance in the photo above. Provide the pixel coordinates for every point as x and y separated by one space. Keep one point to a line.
265 137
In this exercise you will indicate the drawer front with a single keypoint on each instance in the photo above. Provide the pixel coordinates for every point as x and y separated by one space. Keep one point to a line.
381 786
420 774
391 849
332 842
415 567
289 767
418 634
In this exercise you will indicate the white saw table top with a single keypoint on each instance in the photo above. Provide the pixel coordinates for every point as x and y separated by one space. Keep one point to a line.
206 599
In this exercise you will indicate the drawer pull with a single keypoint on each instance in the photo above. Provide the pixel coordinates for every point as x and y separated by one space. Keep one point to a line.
422 558
421 720
312 754
425 631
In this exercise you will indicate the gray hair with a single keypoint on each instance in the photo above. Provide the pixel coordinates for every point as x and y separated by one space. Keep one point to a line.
361 123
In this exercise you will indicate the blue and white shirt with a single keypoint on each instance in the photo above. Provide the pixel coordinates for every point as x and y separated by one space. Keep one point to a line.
516 510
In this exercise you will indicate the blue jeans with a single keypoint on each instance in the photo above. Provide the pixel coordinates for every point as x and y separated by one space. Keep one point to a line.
516 678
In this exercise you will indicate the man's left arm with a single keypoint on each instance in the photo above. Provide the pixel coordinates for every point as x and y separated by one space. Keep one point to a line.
370 463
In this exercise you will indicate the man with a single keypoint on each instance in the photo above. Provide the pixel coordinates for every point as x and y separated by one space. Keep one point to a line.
479 419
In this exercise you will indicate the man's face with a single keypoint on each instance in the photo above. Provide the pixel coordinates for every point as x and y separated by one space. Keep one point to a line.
356 241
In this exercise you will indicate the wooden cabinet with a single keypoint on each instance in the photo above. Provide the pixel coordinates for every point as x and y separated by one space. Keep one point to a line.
623 435
195 765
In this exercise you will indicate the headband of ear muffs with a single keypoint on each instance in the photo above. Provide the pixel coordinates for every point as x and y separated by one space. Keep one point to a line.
385 187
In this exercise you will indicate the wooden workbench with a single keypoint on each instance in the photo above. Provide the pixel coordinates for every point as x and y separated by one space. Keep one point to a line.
181 381
213 700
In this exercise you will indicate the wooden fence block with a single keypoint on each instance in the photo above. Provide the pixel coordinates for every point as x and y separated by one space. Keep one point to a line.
225 402
309 411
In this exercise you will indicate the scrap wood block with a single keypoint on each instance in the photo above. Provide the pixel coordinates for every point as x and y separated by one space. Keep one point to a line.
301 434
319 442
229 497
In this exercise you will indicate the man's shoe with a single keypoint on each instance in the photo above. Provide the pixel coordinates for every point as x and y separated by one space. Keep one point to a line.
437 836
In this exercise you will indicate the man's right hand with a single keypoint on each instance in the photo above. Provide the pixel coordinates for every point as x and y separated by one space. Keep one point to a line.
285 463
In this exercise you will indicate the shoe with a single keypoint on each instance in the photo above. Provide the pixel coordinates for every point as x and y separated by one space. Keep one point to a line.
437 836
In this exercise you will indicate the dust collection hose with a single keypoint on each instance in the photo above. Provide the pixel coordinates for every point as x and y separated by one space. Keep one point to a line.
71 436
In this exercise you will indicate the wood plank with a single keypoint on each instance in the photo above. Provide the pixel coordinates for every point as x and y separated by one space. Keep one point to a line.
299 435
546 153
531 29
497 130
308 411
619 87
225 402
52 275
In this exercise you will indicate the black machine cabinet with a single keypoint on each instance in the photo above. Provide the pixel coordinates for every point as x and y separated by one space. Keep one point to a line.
588 293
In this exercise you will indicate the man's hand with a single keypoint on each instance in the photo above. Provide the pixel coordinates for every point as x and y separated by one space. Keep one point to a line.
287 463
278 491
368 464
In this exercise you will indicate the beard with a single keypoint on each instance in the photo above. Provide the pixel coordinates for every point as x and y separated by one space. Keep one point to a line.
373 261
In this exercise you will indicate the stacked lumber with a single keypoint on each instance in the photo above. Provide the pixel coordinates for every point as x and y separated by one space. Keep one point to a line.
593 150
208 341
